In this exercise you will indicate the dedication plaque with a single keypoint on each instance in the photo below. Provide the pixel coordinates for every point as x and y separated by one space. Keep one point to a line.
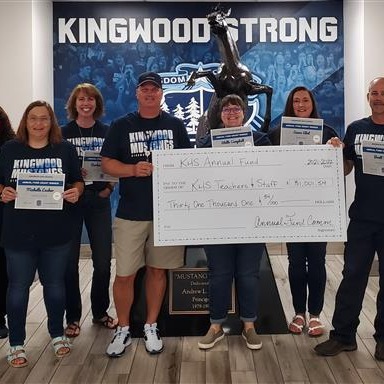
249 195
188 292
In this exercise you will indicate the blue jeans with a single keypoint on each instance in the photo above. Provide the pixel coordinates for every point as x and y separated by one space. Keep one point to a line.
307 276
95 213
363 240
50 262
233 261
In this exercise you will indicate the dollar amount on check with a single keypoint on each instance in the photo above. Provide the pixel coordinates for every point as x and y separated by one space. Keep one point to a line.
250 194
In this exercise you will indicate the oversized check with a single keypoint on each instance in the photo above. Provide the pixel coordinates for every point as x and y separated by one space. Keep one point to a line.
40 191
249 195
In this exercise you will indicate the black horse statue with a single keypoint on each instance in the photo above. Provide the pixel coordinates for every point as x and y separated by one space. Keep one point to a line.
231 77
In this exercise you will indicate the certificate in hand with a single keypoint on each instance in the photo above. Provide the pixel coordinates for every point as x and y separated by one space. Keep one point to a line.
92 165
39 191
373 157
232 137
301 131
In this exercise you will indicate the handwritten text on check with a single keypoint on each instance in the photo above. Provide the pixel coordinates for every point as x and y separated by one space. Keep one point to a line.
246 195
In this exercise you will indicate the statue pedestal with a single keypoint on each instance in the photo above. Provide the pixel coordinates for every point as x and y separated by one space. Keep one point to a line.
187 322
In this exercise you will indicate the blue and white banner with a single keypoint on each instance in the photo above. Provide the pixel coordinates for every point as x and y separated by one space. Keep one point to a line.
283 44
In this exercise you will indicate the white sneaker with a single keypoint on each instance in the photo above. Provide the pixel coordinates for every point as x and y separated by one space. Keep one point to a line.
152 340
121 340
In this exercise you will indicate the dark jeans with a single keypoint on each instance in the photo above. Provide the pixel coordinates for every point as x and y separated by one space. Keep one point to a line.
95 212
233 261
3 286
50 262
363 240
307 276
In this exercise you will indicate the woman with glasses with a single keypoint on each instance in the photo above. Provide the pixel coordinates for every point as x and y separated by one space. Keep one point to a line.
38 222
228 262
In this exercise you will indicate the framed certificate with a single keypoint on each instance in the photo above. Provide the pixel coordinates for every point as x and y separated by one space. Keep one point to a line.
92 165
301 131
40 191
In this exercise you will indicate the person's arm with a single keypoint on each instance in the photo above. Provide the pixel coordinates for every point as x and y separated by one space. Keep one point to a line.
72 194
106 192
348 164
119 169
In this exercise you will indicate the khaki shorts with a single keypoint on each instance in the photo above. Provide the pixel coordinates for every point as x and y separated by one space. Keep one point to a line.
134 248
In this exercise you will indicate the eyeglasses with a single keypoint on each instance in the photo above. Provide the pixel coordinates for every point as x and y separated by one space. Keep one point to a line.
44 120
228 110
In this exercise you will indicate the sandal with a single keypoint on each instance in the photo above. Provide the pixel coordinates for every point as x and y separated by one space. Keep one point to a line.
106 321
16 357
315 327
61 346
73 329
296 325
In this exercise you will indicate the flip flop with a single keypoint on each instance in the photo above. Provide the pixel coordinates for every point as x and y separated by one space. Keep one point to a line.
296 325
61 346
106 321
315 327
73 329
16 357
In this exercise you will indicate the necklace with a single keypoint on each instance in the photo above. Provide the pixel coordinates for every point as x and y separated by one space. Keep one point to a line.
84 145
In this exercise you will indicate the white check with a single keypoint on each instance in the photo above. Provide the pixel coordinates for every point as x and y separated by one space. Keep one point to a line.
40 191
249 195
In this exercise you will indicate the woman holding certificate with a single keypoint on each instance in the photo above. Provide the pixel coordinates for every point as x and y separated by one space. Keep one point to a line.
228 262
306 269
39 172
84 107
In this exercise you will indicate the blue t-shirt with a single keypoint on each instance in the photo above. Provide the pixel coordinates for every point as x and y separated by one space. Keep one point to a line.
130 140
86 139
27 228
369 191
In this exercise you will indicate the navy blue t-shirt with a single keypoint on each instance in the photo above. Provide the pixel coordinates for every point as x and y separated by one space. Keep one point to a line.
369 194
86 139
26 228
130 140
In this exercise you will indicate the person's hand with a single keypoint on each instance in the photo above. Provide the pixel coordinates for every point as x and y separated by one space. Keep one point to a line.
105 193
83 172
71 195
8 194
143 169
335 142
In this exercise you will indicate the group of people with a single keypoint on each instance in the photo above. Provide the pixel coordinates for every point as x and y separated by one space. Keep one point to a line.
31 241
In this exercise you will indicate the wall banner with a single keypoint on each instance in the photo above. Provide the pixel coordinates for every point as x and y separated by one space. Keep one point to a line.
283 44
